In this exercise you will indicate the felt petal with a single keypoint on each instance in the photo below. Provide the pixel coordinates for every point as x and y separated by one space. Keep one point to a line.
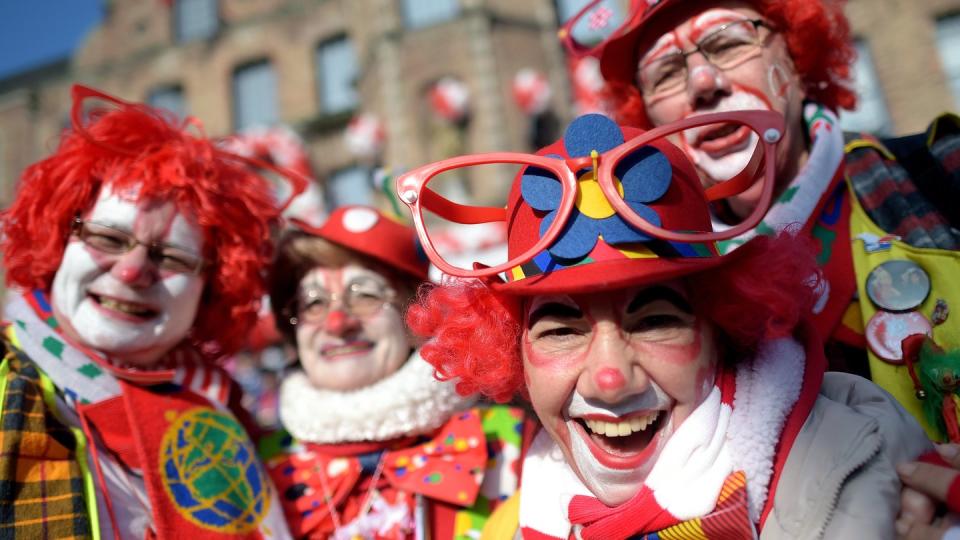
591 132
615 230
645 174
577 238
541 189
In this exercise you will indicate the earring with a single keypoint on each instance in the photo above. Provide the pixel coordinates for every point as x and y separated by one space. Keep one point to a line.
293 321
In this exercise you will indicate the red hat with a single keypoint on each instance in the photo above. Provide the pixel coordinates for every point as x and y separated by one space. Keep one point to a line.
618 59
368 231
598 250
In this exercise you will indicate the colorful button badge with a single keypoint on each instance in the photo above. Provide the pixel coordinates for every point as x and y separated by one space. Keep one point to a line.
898 285
886 330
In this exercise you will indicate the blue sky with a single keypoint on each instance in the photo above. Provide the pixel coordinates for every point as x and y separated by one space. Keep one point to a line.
35 32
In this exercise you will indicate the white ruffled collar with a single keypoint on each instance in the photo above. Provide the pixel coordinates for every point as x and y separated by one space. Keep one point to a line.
409 402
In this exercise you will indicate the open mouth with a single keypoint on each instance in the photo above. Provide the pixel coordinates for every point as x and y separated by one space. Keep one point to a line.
345 350
123 309
621 443
724 138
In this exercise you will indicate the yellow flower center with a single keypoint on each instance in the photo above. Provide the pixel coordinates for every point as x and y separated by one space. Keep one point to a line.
590 199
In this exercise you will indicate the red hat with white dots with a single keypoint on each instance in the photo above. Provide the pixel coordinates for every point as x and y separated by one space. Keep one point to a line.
368 231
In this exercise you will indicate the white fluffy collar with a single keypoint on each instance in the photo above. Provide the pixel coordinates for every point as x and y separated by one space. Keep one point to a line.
409 402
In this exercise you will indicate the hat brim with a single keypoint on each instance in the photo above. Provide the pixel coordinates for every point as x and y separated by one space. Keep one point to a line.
618 59
365 248
614 274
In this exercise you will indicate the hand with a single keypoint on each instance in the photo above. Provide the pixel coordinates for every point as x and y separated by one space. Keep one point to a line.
925 487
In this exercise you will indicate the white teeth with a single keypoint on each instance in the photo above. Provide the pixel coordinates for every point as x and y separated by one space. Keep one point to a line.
622 428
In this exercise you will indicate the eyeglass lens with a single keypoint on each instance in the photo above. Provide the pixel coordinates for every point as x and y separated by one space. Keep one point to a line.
116 242
724 48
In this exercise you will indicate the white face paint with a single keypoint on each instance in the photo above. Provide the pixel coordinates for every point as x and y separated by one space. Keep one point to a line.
616 485
716 151
124 306
344 351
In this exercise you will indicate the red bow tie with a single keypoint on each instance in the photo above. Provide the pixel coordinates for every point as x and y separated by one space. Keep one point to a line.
448 468
641 516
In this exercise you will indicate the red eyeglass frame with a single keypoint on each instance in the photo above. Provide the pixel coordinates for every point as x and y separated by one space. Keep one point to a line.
79 93
413 191
565 33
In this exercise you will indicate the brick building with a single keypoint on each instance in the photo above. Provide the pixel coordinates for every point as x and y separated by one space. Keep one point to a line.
313 64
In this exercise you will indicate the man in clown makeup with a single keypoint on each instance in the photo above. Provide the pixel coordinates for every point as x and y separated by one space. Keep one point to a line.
864 201
682 392
134 252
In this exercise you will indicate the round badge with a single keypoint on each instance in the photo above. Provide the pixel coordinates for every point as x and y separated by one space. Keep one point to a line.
898 285
886 330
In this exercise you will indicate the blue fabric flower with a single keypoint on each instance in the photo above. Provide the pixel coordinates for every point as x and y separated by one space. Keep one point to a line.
644 176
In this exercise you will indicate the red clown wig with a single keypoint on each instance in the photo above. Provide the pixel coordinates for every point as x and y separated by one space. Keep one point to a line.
817 36
475 332
139 150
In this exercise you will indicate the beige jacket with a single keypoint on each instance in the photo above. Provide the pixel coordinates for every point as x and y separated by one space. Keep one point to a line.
839 480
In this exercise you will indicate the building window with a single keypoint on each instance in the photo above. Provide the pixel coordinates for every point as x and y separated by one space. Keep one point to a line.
871 115
169 97
948 42
350 186
195 19
254 96
336 75
421 13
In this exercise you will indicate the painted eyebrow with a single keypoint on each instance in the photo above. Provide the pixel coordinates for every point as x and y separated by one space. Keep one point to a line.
553 309
653 294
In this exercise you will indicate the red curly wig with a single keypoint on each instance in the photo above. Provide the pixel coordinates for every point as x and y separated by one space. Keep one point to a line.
137 147
818 39
475 332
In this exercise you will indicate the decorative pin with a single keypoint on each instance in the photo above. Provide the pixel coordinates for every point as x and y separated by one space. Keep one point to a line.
940 312
898 285
886 331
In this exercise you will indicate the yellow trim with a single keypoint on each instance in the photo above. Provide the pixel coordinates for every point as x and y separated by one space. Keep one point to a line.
504 521
867 143
932 136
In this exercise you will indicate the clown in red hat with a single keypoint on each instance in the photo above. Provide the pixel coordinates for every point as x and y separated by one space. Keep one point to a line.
135 253
680 390
667 60
373 445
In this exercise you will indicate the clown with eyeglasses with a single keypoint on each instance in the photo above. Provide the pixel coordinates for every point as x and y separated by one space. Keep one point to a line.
682 391
134 253
373 446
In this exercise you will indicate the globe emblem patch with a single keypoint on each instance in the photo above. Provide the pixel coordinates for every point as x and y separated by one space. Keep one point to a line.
210 470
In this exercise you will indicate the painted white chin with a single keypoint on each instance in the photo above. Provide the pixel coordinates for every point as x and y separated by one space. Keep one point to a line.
614 467
725 163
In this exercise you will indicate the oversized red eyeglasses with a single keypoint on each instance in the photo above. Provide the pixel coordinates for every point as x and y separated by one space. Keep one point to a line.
82 94
596 24
414 188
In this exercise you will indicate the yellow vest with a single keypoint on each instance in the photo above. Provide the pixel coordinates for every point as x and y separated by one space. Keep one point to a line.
941 265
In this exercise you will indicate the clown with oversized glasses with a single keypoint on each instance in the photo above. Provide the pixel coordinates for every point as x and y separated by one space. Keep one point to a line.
135 254
374 446
681 391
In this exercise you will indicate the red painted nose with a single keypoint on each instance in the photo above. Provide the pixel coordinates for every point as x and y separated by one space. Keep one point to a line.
339 322
610 379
